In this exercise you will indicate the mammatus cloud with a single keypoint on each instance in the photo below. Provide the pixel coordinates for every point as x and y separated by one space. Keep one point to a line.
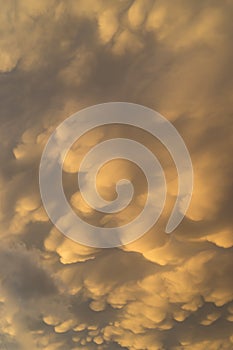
161 292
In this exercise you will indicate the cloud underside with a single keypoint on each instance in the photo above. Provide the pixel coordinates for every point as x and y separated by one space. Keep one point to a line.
163 291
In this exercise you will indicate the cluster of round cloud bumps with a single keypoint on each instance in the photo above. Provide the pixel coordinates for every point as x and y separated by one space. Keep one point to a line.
161 292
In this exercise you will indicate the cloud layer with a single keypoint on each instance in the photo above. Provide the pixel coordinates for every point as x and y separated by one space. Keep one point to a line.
161 292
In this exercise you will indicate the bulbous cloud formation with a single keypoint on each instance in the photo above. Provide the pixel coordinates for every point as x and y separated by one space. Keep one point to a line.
163 291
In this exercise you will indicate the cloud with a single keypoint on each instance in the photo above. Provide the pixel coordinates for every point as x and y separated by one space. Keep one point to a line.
161 292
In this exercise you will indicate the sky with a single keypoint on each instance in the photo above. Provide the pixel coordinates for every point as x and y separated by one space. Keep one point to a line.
161 292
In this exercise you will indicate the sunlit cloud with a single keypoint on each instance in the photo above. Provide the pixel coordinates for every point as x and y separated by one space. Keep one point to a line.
162 291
